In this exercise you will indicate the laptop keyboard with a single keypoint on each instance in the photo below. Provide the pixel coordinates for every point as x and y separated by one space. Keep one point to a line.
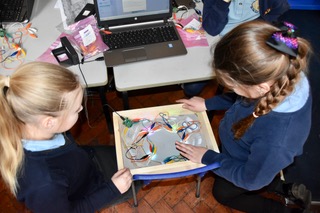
10 10
140 37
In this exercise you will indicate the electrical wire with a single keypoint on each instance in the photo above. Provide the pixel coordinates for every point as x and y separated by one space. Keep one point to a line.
84 79
122 118
133 141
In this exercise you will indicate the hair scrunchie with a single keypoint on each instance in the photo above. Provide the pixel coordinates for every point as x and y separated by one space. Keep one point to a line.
285 40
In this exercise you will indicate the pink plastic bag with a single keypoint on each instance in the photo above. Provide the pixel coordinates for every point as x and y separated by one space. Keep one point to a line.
47 56
192 38
85 34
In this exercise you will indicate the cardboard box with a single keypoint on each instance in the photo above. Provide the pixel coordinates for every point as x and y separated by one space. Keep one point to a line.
162 139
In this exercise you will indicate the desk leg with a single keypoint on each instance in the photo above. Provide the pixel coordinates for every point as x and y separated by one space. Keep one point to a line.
124 94
102 93
125 100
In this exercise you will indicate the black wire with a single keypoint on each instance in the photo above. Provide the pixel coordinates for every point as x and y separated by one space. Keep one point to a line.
82 62
183 14
87 87
84 79
115 111
5 59
97 59
12 54
89 61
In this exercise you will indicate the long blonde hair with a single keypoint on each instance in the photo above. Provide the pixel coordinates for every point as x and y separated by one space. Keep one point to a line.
244 56
36 88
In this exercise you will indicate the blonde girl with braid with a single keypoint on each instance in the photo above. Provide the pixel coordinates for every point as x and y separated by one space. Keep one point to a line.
39 162
267 118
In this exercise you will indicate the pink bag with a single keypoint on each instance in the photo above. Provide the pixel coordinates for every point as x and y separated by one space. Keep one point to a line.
85 34
192 38
47 56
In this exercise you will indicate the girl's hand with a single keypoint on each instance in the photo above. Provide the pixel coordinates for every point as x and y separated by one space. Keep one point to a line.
122 179
195 104
193 153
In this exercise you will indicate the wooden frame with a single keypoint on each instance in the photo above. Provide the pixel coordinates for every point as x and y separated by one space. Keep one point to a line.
152 112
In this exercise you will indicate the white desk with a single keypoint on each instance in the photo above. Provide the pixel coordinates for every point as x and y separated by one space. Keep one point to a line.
193 67
46 19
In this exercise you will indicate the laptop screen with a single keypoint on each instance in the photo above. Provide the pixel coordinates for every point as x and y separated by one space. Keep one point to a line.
119 12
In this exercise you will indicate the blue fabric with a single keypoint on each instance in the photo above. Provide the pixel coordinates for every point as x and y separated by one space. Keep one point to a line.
240 11
193 89
30 145
297 99
63 180
215 13
268 146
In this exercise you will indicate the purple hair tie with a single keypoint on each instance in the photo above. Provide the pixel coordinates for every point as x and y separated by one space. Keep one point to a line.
285 40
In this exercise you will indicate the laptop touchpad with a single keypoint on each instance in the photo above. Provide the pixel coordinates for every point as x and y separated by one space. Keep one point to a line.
134 55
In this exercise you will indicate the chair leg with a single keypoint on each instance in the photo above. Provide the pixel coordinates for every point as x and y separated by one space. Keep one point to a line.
198 186
133 188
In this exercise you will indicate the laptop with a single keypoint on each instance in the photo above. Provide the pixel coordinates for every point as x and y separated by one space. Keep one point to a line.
15 10
132 16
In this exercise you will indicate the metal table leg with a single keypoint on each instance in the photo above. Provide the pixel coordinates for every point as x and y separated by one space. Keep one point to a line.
102 93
